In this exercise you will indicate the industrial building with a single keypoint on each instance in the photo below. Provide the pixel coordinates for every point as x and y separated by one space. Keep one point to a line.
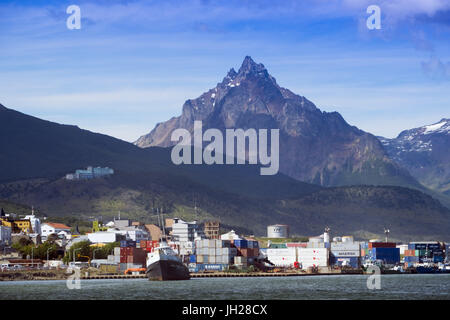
183 231
90 173
5 236
212 229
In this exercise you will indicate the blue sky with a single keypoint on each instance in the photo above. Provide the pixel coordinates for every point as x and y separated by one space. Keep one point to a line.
134 63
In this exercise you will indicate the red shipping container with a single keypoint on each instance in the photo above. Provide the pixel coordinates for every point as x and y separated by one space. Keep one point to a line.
123 259
382 245
410 253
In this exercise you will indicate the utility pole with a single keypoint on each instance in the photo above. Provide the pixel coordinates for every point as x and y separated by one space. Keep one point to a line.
386 232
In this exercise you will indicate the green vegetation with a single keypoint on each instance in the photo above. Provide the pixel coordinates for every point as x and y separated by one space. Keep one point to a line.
11 207
83 249
28 248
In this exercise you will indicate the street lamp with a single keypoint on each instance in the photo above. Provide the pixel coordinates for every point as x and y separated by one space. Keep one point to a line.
93 253
48 265
32 256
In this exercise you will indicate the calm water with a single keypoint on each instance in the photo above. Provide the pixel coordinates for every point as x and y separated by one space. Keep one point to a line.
315 287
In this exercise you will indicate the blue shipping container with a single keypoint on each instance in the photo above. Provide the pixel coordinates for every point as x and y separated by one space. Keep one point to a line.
240 243
214 267
411 259
387 255
192 259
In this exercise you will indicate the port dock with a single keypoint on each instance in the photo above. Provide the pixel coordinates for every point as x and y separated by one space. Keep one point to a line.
220 275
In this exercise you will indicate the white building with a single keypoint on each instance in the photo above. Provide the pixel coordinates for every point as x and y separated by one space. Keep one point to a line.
183 231
35 223
102 237
59 229
230 236
5 235
131 233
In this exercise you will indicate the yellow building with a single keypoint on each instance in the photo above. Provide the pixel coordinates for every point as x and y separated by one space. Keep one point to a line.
17 226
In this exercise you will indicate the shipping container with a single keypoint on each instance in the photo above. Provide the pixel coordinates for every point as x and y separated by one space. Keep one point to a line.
296 245
387 255
240 243
411 259
239 260
347 253
211 267
382 245
353 262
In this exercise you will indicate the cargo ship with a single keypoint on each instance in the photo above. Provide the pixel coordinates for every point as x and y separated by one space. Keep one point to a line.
164 264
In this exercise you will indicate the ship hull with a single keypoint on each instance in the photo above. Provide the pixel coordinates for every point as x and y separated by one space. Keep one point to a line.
163 270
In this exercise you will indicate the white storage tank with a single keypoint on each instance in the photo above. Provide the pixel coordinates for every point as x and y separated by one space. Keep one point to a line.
278 231
326 237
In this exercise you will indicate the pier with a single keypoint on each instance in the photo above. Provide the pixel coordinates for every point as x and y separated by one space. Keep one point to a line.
220 275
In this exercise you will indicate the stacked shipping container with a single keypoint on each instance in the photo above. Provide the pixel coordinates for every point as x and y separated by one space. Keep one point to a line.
307 257
428 250
346 253
148 245
213 251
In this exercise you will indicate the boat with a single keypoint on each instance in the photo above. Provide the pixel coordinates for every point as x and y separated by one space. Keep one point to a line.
426 269
164 264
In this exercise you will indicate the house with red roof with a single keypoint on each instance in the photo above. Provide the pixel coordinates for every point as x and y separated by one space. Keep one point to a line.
59 229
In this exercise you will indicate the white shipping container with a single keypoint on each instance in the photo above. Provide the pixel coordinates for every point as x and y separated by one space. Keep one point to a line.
312 251
239 260
212 259
212 251
281 252
345 246
315 245
346 253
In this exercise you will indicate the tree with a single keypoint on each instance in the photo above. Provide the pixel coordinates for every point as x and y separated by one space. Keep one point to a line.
81 248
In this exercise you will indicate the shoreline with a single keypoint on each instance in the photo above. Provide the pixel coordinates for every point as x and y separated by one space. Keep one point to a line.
62 275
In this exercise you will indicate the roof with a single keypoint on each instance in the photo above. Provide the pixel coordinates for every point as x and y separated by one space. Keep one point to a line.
57 225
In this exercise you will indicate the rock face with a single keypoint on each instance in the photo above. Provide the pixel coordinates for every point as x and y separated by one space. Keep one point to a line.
425 152
315 146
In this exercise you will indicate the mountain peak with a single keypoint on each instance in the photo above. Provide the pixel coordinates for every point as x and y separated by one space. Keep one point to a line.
232 73
249 65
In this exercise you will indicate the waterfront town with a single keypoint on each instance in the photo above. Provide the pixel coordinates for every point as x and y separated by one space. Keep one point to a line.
122 246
